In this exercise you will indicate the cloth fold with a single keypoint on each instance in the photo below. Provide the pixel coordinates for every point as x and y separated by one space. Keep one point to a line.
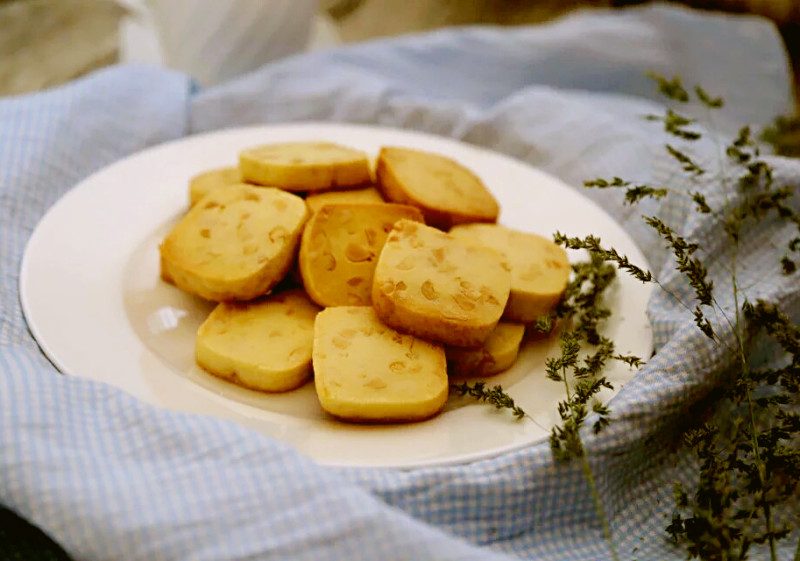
110 477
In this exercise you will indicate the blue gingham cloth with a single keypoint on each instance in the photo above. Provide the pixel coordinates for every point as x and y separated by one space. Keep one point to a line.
112 478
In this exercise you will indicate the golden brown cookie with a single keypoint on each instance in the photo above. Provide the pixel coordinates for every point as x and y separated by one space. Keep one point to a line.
366 371
432 285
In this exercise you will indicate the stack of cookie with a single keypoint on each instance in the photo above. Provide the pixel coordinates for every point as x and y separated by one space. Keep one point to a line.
381 285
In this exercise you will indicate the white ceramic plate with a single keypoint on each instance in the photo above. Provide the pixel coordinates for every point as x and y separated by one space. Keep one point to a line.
92 297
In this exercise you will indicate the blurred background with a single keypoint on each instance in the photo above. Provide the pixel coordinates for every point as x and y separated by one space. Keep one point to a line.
44 43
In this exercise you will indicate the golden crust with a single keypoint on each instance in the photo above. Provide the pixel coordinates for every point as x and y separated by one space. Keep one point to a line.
431 285
235 244
305 166
540 269
366 195
497 354
263 344
366 371
203 183
446 192
340 248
